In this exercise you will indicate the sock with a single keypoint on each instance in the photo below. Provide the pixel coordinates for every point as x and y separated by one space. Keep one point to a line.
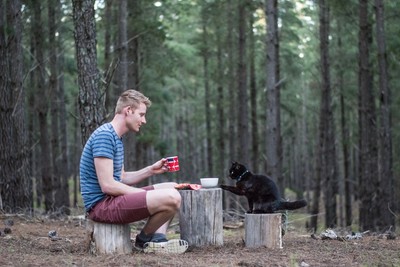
144 237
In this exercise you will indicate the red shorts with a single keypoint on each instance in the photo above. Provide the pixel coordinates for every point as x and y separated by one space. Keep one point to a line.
121 209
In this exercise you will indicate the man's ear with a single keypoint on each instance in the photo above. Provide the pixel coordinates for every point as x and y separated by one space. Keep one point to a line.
128 110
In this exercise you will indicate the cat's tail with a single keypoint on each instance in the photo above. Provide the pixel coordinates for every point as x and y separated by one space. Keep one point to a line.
292 205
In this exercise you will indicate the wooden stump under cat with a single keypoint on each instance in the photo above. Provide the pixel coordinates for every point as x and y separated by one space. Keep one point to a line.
200 217
263 230
109 238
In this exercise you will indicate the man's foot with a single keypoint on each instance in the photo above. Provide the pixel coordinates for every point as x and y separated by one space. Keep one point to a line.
173 246
160 244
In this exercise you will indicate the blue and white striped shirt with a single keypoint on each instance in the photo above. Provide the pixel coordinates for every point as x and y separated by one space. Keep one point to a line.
104 142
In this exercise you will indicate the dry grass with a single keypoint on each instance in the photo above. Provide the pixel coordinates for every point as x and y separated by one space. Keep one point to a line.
29 245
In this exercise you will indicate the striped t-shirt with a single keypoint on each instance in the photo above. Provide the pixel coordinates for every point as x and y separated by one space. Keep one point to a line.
104 142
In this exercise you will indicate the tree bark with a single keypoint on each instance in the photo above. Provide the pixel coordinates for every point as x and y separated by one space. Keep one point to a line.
345 136
232 118
201 218
109 238
108 18
263 230
207 95
91 98
387 204
368 180
60 183
33 125
327 138
135 157
255 142
221 143
242 100
122 82
65 157
15 182
42 109
273 131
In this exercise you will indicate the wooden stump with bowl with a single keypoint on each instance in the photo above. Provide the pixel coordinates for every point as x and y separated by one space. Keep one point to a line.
200 215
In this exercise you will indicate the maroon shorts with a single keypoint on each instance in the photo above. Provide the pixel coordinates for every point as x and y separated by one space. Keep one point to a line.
121 209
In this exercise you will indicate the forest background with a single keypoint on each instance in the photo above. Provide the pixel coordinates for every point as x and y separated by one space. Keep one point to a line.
303 91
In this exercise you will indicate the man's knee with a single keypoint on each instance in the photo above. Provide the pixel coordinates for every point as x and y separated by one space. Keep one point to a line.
162 200
175 198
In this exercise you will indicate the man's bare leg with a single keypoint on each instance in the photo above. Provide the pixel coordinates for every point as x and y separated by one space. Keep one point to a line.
162 205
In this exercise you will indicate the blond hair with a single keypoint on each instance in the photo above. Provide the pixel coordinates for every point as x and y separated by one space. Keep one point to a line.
131 98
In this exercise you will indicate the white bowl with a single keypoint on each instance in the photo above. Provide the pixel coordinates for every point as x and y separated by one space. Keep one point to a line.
209 182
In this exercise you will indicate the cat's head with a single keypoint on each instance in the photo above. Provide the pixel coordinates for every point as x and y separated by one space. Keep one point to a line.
236 170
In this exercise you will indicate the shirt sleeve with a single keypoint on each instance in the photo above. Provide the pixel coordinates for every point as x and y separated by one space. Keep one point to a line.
104 145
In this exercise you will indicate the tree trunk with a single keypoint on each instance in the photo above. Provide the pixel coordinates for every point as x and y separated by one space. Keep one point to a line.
108 18
263 230
33 126
135 58
65 157
201 217
316 185
280 178
207 95
255 142
273 131
42 109
242 107
122 82
109 238
60 185
15 182
133 148
387 204
76 150
134 156
232 118
327 139
221 143
369 184
91 98
347 184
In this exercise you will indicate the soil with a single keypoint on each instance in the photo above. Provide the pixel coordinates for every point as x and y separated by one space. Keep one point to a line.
25 241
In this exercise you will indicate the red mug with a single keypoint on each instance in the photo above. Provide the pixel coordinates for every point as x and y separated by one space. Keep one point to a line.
173 164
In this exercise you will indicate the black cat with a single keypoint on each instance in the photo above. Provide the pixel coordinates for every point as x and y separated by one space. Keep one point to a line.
261 192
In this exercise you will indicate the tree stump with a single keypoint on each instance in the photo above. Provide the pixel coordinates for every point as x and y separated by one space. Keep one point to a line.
110 238
263 230
200 217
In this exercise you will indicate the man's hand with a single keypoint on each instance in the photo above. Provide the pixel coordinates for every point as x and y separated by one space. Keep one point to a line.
160 166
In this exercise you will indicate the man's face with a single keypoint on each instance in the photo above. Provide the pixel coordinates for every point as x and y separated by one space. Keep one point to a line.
136 117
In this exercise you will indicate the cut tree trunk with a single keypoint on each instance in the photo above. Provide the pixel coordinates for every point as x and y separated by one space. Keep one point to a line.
110 238
263 230
200 217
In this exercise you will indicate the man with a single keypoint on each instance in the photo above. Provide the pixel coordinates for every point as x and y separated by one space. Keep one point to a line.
107 189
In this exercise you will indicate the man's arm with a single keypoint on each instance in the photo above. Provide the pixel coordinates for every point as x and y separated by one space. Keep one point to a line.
134 177
104 171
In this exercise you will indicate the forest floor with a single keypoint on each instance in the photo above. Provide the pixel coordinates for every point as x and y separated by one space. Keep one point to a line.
27 243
